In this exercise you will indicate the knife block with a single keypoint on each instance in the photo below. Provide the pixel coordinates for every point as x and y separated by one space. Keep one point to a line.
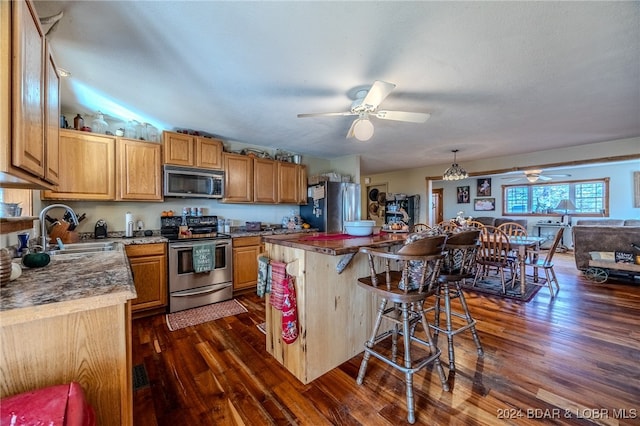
61 231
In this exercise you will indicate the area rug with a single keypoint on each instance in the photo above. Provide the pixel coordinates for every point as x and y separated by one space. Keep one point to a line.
262 327
491 285
195 316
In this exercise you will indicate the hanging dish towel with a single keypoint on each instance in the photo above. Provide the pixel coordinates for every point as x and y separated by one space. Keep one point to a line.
289 312
278 277
264 277
204 257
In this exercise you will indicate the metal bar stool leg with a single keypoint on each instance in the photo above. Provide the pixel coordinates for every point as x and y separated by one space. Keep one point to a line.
369 344
406 329
470 320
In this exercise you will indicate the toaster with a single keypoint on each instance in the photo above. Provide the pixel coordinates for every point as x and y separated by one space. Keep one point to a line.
100 229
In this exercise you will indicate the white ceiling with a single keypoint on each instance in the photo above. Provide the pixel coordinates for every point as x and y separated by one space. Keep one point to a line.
498 78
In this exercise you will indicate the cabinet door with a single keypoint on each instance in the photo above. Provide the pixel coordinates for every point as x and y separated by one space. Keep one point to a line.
52 119
178 149
139 170
208 153
302 179
265 180
28 88
238 178
288 183
149 268
87 167
245 262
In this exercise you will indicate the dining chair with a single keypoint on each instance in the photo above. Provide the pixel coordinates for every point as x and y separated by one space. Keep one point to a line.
475 224
447 226
494 253
513 229
547 264
402 292
419 227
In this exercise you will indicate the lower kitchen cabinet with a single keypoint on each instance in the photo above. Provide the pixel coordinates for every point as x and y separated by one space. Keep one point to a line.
149 268
245 262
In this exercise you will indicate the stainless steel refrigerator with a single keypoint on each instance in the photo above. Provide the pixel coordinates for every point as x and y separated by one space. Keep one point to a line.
330 204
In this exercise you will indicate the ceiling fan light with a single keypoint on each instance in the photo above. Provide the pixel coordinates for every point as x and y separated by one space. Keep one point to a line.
363 129
455 172
532 178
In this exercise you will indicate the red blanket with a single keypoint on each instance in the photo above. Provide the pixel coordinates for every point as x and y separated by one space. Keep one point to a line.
329 237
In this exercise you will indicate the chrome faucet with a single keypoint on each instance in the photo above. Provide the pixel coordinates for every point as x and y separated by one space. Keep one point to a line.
43 225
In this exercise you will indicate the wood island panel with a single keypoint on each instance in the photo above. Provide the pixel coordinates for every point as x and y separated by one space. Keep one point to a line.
335 315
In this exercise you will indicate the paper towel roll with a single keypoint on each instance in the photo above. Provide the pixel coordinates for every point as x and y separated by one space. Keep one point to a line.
128 224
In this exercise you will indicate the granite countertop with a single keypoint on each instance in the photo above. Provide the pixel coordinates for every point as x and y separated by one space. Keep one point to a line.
69 283
334 244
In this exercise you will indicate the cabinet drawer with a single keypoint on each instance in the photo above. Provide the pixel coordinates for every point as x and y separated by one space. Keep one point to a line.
135 250
247 241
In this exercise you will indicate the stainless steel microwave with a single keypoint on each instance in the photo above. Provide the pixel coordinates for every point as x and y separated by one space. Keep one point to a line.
188 182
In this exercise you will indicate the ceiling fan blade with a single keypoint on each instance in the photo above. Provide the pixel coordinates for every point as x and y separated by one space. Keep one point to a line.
326 114
560 175
545 178
512 179
413 117
378 93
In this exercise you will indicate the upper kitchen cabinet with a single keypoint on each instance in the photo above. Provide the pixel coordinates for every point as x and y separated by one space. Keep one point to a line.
292 183
87 167
51 118
265 181
24 107
139 170
192 151
238 178
101 167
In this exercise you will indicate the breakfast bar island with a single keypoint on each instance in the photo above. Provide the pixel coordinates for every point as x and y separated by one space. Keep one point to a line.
335 316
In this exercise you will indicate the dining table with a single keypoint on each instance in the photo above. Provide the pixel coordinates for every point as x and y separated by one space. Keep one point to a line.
522 244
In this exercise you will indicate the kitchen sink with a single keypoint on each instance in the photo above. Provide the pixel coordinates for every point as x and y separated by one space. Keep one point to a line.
82 248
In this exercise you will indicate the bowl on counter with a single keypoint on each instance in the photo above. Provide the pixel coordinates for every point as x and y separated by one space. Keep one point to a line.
359 228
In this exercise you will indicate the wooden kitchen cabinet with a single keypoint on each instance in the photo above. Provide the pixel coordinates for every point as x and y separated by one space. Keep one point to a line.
149 268
139 165
192 151
245 262
238 178
51 119
265 181
87 167
23 90
292 183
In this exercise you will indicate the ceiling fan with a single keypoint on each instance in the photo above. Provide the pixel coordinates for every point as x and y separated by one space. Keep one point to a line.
366 106
535 175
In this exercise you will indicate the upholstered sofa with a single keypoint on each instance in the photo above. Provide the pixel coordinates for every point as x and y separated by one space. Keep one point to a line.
603 235
497 221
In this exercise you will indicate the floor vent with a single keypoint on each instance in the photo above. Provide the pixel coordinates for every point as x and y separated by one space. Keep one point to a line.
140 377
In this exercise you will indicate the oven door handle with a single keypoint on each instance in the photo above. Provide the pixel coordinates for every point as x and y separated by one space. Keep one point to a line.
191 246
186 293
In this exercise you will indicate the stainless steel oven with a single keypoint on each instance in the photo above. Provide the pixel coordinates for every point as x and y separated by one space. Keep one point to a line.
188 289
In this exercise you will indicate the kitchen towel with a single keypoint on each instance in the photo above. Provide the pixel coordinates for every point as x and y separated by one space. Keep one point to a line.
289 312
204 257
278 278
264 277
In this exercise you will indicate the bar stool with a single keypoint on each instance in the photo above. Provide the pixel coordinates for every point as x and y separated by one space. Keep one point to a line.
458 264
406 290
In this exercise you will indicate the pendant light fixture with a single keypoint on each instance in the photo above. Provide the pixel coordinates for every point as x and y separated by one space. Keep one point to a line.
455 172
363 129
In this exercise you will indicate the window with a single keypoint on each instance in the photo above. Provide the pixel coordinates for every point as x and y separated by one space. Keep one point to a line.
589 197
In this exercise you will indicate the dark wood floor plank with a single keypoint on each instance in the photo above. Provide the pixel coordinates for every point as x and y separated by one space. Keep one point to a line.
549 361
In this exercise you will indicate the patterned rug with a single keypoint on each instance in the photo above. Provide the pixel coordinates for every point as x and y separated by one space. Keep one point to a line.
262 327
491 285
189 317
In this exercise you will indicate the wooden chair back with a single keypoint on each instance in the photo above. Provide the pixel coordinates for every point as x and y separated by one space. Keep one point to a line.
554 247
494 248
419 227
418 265
475 224
460 253
513 229
447 225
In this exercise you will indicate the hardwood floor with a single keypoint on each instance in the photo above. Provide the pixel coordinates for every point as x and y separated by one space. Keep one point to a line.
572 360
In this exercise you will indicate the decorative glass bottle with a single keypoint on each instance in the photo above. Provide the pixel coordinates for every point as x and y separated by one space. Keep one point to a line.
98 125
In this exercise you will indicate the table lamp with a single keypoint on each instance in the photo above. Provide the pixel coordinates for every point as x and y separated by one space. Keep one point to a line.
566 205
